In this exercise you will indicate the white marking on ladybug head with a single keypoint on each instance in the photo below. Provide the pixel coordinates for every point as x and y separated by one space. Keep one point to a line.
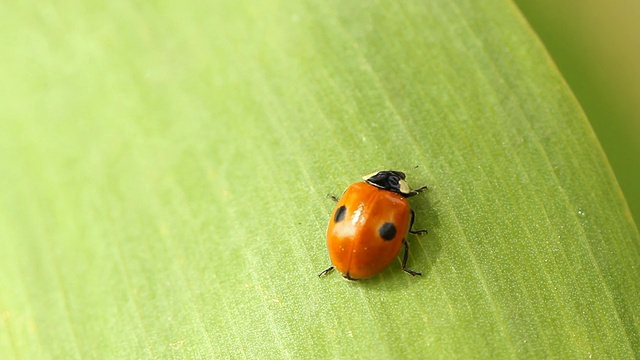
404 187
367 177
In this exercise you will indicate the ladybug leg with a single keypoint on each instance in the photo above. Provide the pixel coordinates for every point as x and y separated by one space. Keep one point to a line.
417 232
416 191
326 271
333 197
405 258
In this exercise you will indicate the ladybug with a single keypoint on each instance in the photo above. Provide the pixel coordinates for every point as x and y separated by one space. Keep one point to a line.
369 226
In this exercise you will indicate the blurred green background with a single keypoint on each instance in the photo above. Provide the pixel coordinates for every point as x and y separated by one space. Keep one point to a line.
596 46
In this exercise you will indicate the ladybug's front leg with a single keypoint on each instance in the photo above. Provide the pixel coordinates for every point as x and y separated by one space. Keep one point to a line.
416 191
333 197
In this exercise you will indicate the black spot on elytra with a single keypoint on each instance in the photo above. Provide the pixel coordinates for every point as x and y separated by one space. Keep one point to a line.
339 216
387 231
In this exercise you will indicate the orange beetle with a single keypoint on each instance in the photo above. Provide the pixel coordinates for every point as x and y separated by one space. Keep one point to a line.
370 224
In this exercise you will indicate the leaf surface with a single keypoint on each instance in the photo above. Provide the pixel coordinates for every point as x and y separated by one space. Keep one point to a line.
165 168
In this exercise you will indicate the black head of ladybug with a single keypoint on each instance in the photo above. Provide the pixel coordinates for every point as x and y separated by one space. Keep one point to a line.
389 180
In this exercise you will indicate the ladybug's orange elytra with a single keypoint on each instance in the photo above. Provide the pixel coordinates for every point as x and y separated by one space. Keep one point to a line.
369 226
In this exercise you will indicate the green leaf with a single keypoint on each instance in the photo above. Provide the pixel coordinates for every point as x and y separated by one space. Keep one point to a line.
164 171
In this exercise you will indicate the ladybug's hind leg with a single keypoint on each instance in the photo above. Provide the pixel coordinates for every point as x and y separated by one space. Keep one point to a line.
405 258
326 271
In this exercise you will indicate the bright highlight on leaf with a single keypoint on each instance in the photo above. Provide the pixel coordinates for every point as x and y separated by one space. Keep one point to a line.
164 170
